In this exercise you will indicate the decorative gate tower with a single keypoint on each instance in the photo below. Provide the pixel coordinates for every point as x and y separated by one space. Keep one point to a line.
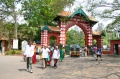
67 20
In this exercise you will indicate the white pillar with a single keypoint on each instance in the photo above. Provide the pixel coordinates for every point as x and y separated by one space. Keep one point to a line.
62 34
3 49
44 38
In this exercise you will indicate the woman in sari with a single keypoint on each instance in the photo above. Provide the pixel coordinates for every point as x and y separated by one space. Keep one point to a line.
34 56
62 53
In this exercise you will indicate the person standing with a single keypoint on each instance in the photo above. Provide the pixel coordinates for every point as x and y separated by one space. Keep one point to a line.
34 56
99 53
23 46
45 52
62 54
95 52
56 56
29 52
85 50
49 59
39 51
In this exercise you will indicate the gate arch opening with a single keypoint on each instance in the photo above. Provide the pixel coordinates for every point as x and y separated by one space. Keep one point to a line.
53 41
75 35
80 26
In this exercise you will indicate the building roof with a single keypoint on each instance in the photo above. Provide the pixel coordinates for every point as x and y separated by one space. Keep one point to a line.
54 28
65 13
2 37
57 29
96 33
45 28
50 28
80 12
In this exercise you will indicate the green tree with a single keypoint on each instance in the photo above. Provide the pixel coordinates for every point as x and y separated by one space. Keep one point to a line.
7 30
41 12
9 12
75 37
27 32
109 11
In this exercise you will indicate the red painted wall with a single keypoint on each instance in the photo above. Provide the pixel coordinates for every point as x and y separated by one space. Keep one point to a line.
55 34
106 52
98 39
112 42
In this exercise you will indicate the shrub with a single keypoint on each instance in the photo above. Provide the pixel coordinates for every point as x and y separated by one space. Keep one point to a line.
13 52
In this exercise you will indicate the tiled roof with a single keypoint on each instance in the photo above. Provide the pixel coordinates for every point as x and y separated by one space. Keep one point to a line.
67 13
52 28
96 33
45 28
2 37
57 29
91 18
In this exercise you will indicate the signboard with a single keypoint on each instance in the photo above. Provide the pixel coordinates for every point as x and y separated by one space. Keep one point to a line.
15 44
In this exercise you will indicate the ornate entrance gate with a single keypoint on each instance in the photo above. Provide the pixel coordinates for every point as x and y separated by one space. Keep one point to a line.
67 20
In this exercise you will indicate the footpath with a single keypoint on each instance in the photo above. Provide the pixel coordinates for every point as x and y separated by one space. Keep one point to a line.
13 67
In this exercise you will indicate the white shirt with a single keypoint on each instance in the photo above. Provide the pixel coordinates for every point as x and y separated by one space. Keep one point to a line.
29 52
56 54
45 52
24 43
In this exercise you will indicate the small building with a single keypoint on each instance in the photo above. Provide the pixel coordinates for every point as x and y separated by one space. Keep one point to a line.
115 46
3 43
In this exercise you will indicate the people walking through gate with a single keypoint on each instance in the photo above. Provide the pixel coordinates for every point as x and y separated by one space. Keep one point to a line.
62 54
23 46
56 56
29 52
45 52
95 52
99 53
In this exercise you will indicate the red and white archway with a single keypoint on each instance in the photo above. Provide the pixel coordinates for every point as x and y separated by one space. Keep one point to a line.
78 18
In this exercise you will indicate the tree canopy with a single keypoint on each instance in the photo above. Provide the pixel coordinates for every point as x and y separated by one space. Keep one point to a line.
42 12
75 37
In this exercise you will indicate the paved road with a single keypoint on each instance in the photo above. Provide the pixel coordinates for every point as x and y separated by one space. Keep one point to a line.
13 67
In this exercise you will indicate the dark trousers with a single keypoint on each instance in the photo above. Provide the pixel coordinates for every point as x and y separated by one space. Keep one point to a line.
29 63
99 56
44 61
55 62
